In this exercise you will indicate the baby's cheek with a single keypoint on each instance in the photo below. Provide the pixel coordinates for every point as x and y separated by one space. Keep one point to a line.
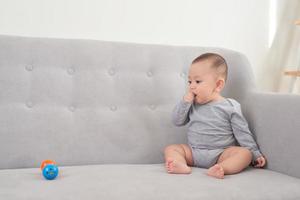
199 98
202 93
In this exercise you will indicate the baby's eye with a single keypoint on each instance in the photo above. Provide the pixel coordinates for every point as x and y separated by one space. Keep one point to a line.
189 82
198 82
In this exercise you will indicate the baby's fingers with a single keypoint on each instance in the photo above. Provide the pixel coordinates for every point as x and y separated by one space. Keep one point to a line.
263 162
260 162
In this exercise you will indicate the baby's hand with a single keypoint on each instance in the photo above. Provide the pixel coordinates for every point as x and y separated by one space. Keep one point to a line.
260 162
189 96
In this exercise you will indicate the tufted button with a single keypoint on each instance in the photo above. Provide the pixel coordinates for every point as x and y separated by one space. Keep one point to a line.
183 74
113 108
71 70
149 74
111 71
152 107
29 67
72 108
29 104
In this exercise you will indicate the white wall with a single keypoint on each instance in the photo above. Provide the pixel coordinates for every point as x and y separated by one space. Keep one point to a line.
242 25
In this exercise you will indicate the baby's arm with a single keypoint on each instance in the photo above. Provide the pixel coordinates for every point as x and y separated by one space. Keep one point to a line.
244 137
180 115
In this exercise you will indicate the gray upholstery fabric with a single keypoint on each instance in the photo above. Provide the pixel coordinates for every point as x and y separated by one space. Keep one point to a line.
274 118
83 102
136 182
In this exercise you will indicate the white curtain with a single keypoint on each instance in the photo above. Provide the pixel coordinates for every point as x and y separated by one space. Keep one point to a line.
284 53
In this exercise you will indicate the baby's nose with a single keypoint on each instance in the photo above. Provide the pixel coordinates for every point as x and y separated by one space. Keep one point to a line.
192 86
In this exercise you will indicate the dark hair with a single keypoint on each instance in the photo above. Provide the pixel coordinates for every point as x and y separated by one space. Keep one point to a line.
218 63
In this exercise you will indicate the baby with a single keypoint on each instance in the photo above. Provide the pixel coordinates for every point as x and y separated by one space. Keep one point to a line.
218 135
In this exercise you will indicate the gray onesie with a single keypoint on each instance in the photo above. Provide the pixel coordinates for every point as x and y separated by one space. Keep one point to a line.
212 127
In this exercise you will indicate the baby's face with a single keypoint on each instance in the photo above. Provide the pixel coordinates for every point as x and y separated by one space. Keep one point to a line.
203 82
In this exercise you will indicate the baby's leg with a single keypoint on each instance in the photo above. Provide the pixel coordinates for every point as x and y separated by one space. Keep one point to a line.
233 160
178 157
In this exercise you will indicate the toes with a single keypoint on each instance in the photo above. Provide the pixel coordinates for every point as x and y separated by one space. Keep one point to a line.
170 163
216 171
169 166
174 167
220 173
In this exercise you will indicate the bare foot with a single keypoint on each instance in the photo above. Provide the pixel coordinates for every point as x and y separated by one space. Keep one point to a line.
216 171
175 167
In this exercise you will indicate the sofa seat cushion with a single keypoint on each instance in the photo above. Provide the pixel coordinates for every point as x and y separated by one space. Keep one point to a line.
144 182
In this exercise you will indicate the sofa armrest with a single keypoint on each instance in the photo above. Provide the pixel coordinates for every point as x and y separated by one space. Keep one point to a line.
275 121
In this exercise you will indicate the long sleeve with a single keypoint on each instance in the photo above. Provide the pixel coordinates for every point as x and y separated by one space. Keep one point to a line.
180 115
242 133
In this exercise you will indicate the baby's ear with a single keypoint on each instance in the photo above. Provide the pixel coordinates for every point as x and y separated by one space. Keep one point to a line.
220 84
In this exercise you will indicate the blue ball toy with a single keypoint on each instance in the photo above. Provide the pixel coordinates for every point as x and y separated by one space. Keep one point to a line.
50 172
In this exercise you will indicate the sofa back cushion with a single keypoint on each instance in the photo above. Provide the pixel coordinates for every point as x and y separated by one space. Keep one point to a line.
94 102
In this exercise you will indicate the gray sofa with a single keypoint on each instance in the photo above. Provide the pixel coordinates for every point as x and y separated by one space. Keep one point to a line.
102 111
